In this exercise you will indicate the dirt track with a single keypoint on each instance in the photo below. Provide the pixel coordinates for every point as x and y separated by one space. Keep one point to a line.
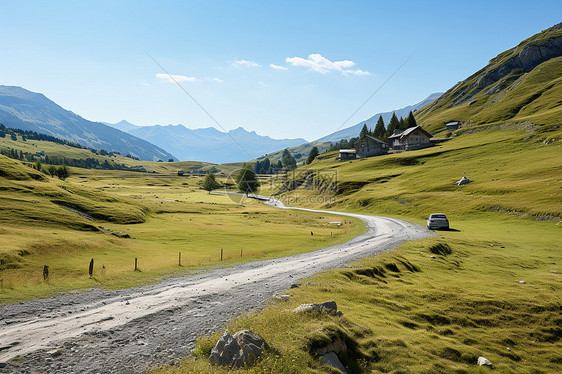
127 331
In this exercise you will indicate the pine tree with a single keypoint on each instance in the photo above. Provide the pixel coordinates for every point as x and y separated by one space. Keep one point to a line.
312 155
257 167
266 166
403 125
392 125
379 129
364 131
411 121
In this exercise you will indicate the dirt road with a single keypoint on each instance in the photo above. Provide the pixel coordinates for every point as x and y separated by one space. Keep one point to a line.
127 331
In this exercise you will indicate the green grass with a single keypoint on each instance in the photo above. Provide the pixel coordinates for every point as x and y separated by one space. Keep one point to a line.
163 215
516 97
406 312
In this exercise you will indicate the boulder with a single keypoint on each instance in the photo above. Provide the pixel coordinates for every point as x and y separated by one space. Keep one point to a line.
241 349
462 181
483 361
332 360
329 307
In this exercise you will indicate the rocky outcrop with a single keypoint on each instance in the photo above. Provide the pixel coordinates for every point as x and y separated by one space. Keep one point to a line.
331 359
329 307
241 349
483 361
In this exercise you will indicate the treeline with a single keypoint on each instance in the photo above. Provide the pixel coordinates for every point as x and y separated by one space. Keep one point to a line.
32 135
85 163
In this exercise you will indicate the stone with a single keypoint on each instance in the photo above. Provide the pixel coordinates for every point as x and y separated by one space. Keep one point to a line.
329 307
332 360
482 361
463 181
522 282
241 349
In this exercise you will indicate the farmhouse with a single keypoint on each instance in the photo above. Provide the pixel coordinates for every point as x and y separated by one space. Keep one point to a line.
368 146
347 154
410 139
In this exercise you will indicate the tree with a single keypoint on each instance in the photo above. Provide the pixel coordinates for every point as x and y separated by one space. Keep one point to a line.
411 121
312 155
210 183
52 170
63 172
364 131
258 167
379 129
288 161
246 180
402 124
266 166
392 125
278 166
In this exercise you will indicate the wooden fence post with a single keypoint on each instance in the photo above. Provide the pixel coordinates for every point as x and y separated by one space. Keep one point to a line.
45 272
179 259
91 268
221 254
240 252
136 268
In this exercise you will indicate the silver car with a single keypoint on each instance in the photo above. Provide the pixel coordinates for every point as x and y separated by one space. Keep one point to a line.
438 221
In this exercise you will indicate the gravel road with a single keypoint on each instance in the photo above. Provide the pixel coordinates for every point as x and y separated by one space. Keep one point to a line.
128 331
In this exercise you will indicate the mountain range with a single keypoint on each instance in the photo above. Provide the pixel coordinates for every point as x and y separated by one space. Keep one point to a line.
26 110
208 144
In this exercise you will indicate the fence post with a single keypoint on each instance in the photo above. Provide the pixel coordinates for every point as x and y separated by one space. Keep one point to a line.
179 259
240 252
221 254
91 268
136 269
45 272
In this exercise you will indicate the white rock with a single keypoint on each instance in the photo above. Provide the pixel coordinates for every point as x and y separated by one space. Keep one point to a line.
332 360
483 361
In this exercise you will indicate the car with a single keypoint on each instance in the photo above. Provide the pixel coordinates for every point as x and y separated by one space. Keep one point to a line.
438 221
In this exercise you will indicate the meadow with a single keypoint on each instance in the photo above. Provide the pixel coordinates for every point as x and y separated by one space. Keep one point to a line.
116 216
491 286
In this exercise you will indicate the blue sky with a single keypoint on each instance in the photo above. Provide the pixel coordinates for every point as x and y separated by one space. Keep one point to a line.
281 68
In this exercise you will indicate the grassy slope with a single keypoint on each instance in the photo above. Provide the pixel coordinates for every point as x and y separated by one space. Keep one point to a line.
58 150
405 312
516 97
163 216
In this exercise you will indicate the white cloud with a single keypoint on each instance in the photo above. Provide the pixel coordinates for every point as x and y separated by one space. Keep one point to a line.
175 78
277 67
316 62
246 63
218 80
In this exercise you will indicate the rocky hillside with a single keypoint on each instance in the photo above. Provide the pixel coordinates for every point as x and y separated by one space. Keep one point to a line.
26 110
522 84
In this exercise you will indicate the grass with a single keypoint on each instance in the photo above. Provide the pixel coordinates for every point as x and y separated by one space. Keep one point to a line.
487 98
64 224
490 287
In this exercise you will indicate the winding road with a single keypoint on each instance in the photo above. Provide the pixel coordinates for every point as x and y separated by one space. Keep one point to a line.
128 331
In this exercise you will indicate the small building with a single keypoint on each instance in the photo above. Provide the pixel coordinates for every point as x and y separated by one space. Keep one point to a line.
368 146
347 154
410 139
453 125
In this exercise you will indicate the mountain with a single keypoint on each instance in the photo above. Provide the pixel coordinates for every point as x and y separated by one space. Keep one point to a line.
209 144
353 131
122 125
522 84
26 110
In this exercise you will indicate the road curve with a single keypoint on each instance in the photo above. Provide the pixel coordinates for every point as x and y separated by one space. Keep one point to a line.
128 331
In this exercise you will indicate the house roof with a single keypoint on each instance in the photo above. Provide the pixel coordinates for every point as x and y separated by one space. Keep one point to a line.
373 138
453 123
408 132
348 151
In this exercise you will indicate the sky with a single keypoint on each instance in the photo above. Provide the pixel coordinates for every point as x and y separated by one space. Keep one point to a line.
285 69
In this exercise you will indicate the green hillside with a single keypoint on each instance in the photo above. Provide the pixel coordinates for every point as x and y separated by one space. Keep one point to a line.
522 84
